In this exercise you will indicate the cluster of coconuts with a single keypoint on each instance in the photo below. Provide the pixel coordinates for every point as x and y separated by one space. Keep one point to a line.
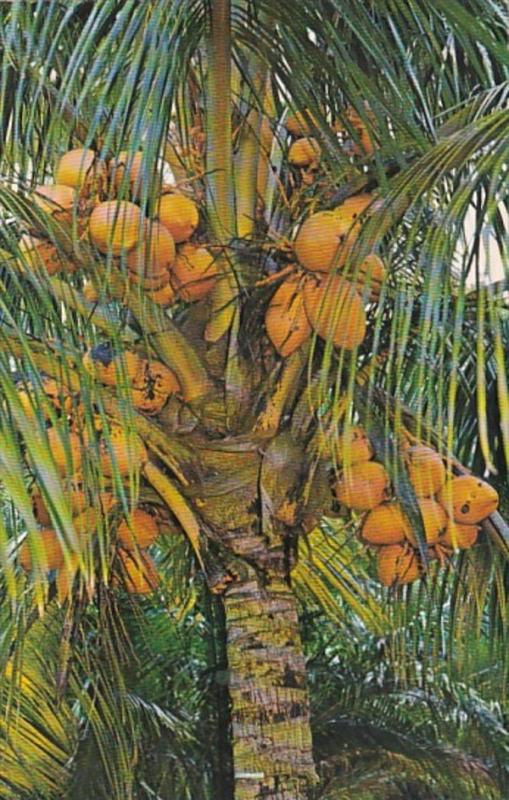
451 507
158 253
69 442
323 294
150 383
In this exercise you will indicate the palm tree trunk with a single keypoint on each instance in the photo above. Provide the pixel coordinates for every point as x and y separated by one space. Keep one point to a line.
272 748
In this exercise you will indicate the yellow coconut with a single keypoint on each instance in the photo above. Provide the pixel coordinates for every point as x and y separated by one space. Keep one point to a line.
179 214
286 321
335 311
149 284
459 536
56 200
53 554
304 152
139 572
194 272
58 395
155 254
471 499
386 524
116 226
74 167
363 486
138 530
353 446
434 520
397 565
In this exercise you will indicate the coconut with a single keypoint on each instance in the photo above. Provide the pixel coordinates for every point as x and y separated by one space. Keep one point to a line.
109 367
300 124
139 572
40 254
426 470
138 530
123 452
335 311
353 446
434 520
286 321
458 536
53 554
116 226
386 524
74 167
162 297
363 486
64 445
194 272
179 214
154 255
397 565
471 499
56 200
304 152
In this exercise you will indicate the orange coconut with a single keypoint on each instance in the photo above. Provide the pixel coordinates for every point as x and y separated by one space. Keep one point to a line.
194 272
153 386
434 520
49 542
459 536
471 499
426 470
397 565
63 446
40 254
179 214
139 572
56 200
155 254
116 226
129 164
138 530
286 321
150 284
363 486
162 297
76 499
325 239
304 152
300 124
123 453
369 275
59 397
109 367
74 167
386 524
335 311
353 446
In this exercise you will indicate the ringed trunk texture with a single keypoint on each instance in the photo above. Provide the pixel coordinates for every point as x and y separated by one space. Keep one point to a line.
272 747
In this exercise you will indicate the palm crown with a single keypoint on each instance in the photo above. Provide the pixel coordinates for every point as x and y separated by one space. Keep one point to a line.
197 346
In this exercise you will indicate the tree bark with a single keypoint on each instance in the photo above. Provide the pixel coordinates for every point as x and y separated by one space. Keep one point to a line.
272 747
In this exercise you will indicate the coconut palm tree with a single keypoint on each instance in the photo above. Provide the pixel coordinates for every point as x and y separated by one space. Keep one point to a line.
398 108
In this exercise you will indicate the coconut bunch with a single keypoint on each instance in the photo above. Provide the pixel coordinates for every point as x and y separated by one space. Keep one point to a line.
451 507
157 254
132 535
72 443
149 383
322 294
